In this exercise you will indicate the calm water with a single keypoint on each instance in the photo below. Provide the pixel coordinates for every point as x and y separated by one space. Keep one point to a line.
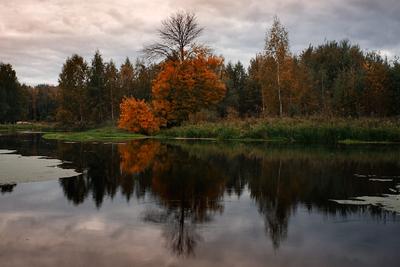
146 203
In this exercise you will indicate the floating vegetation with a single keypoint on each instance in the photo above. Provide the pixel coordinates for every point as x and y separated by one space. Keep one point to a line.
380 180
17 168
375 178
2 151
389 202
364 175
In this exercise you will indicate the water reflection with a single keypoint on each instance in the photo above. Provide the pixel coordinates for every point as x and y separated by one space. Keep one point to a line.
189 191
190 182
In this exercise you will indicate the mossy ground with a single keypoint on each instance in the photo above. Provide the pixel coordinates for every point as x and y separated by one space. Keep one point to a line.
99 134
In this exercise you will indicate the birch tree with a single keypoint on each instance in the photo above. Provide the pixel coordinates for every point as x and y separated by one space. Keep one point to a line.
277 48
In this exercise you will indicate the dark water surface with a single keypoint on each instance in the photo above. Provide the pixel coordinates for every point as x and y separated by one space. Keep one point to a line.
150 203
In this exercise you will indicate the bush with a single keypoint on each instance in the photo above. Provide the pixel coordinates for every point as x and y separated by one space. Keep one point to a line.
136 116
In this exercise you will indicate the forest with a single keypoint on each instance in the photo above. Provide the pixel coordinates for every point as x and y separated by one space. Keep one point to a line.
179 80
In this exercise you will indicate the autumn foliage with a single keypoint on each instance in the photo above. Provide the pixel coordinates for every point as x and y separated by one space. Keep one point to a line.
136 116
183 88
137 156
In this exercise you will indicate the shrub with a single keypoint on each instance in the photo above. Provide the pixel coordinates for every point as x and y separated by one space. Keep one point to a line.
136 116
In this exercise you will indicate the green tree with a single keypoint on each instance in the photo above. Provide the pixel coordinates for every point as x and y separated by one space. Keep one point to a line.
251 102
337 76
96 89
144 76
112 89
235 81
395 88
42 102
127 78
73 92
11 96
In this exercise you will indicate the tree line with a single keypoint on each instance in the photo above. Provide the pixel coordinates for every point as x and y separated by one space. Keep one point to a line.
332 79
91 94
85 95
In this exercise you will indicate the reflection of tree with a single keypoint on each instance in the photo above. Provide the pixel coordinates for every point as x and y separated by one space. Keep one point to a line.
188 181
179 229
273 200
188 189
7 188
190 192
137 156
75 189
280 179
107 168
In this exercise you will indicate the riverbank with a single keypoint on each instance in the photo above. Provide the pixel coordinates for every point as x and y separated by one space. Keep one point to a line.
301 130
287 130
27 127
100 134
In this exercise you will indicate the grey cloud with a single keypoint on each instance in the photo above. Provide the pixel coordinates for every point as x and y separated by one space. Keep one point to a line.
37 36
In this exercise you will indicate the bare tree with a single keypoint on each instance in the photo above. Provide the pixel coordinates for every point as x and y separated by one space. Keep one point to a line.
177 38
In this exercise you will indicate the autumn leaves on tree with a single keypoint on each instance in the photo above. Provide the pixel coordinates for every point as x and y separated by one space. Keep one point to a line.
186 87
136 116
189 79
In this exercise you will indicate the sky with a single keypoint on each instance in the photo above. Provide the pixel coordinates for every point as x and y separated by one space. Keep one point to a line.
37 36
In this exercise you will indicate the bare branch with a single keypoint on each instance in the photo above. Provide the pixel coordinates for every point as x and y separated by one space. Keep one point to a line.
178 34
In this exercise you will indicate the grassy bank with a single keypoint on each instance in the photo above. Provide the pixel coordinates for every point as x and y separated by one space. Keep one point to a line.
101 134
301 130
27 127
315 130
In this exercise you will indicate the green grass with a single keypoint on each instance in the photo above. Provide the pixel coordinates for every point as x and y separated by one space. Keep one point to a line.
94 135
29 127
360 142
301 130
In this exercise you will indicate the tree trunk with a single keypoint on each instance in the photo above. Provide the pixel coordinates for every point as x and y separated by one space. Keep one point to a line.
112 105
80 112
279 92
262 101
182 53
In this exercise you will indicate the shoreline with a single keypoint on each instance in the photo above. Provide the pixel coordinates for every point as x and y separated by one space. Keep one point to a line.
275 130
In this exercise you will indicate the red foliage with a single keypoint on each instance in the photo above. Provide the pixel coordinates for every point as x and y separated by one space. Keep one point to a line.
183 88
136 116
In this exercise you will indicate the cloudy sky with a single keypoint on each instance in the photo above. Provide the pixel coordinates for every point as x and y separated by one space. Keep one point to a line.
36 36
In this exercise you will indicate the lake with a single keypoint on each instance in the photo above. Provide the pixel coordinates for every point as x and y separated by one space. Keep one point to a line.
181 203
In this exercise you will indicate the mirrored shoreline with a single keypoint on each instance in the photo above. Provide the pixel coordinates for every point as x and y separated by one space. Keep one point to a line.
192 202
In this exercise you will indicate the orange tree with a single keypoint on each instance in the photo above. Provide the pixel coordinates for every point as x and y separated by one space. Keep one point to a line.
185 87
136 116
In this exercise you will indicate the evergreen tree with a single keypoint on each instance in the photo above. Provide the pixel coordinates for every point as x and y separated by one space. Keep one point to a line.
144 76
11 96
251 99
235 81
127 77
96 89
112 89
42 102
73 92
394 93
